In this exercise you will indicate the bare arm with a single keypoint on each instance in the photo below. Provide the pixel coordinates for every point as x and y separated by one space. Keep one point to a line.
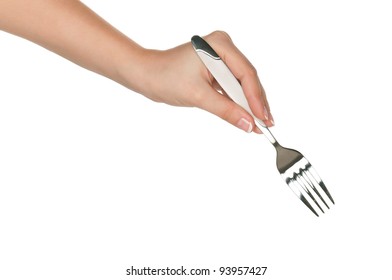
72 30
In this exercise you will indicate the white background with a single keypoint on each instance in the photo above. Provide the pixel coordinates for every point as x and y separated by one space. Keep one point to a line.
95 178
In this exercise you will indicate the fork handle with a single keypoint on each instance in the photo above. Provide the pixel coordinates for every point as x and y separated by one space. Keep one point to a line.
226 79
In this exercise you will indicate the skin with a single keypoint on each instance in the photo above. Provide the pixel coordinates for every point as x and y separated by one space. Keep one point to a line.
72 30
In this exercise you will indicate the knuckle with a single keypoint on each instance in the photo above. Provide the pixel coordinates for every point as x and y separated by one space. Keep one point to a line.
220 35
252 71
228 112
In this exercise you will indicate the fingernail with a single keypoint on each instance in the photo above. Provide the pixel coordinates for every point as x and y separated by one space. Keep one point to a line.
266 114
271 118
257 130
245 125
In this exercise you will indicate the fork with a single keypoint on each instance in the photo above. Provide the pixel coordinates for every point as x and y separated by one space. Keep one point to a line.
295 169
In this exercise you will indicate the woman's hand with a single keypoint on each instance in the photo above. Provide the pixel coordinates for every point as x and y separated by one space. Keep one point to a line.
178 77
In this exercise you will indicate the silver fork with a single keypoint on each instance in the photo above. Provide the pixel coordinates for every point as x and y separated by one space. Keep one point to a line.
295 169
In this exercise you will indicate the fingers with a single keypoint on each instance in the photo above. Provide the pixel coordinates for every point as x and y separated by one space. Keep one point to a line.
244 71
218 104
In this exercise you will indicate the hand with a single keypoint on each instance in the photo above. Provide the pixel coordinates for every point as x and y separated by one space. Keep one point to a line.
178 77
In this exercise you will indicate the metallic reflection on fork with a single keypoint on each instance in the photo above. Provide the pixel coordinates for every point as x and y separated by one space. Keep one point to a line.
295 169
300 176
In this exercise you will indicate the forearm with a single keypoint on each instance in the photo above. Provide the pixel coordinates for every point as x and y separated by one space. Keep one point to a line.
175 76
72 30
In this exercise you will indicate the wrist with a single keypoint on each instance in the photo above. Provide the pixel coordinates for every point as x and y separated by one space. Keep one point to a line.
134 69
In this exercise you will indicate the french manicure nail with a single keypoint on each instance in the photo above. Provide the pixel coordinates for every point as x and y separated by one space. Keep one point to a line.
266 114
245 125
257 130
271 118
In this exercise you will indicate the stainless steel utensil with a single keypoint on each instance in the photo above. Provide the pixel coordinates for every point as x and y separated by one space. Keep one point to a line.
295 169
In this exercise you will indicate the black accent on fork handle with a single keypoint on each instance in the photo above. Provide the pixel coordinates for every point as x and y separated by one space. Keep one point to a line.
199 44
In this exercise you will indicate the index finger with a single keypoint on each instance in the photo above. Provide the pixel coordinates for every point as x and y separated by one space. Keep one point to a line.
244 71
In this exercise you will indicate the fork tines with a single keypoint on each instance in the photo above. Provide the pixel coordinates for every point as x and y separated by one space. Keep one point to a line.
304 181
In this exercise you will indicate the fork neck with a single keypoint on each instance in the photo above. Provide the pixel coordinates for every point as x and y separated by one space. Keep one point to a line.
267 133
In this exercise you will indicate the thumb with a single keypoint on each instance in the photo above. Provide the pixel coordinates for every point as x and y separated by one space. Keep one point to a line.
228 110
